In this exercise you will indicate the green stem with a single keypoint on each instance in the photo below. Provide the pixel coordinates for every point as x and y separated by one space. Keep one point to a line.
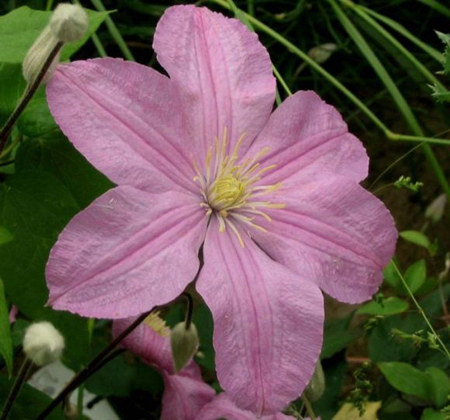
336 83
115 33
437 6
99 46
309 408
99 361
396 95
95 39
27 96
282 81
21 377
361 12
432 52
421 311
392 165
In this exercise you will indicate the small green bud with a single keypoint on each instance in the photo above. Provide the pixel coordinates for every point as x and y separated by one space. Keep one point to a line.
436 209
184 342
322 53
316 386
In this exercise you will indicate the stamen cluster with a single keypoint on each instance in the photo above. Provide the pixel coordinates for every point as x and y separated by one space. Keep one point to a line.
229 187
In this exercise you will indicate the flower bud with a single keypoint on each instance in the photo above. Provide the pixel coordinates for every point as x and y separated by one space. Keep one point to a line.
436 209
184 342
37 55
322 53
43 343
69 22
316 387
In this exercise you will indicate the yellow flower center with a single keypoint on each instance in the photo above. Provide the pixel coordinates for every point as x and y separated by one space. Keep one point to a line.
157 324
228 186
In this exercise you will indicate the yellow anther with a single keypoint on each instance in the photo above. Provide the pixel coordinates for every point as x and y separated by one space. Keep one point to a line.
228 188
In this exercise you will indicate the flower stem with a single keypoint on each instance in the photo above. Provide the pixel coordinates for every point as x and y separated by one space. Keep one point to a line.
98 362
27 96
309 408
22 375
115 33
421 311
189 310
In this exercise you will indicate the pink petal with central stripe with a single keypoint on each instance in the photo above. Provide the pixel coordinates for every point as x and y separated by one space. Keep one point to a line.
335 233
267 323
127 252
223 72
126 119
185 393
153 348
222 407
308 139
184 397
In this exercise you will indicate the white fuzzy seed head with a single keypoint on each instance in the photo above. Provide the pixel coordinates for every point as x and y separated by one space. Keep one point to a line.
43 343
69 22
37 55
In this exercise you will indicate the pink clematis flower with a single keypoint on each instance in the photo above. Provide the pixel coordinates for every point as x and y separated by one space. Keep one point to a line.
223 408
185 393
199 158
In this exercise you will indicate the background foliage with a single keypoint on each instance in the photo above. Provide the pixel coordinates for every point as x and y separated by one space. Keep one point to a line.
382 64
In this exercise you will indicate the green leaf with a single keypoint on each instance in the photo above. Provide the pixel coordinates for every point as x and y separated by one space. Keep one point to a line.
35 207
385 347
431 414
438 386
12 84
55 154
204 322
406 378
6 347
29 403
416 238
36 120
5 236
337 336
432 385
390 306
20 28
415 275
392 278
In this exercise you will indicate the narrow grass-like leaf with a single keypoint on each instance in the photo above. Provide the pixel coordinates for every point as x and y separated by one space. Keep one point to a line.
6 347
432 52
398 98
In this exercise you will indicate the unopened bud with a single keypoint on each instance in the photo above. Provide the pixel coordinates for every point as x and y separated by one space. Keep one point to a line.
436 209
322 53
69 22
316 387
37 55
43 343
184 342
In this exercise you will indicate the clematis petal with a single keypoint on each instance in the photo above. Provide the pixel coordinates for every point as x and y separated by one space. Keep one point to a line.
334 232
185 393
222 70
267 323
309 139
223 407
127 252
152 347
184 397
126 119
